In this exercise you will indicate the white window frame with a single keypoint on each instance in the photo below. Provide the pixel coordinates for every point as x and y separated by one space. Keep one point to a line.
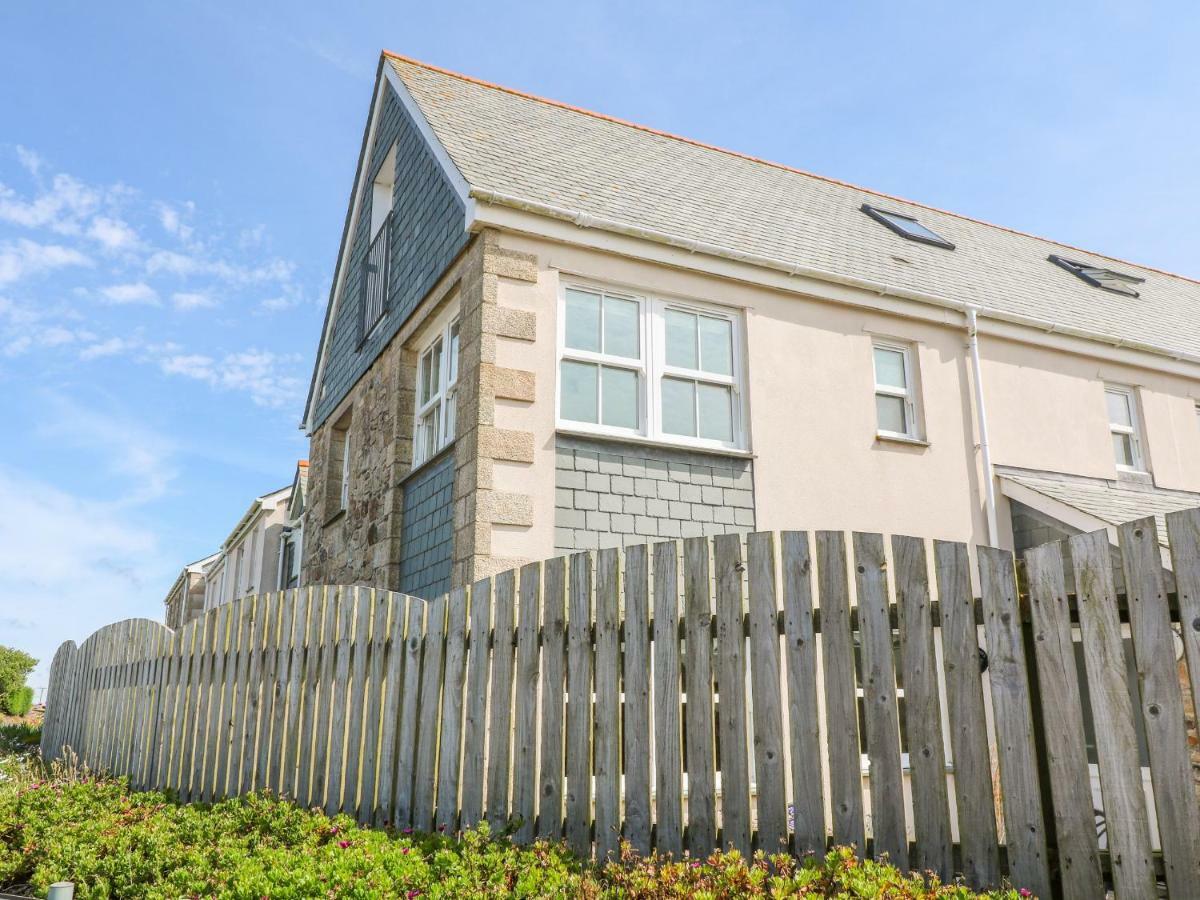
1133 430
443 398
344 485
651 367
909 394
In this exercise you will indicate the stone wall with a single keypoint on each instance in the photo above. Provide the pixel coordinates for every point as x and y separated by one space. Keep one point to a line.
613 494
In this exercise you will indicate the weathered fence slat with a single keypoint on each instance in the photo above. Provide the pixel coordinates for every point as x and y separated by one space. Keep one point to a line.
373 706
1183 529
698 712
212 733
668 752
841 707
804 719
500 723
311 691
554 671
922 710
579 707
973 796
414 642
607 725
360 647
281 738
1162 705
1062 715
765 687
525 678
636 678
327 699
450 748
397 611
1024 827
1125 816
425 772
731 704
475 738
347 612
879 699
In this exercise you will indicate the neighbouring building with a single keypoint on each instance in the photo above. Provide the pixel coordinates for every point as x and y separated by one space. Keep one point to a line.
185 599
248 561
291 539
550 330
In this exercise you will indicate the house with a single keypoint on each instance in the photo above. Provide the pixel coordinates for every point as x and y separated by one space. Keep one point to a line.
550 330
185 599
291 539
248 561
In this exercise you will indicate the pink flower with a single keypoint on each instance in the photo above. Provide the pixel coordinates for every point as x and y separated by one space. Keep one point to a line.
1025 892
405 849
343 844
407 831
411 894
441 828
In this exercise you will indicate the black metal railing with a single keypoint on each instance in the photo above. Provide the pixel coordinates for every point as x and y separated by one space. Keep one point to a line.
375 278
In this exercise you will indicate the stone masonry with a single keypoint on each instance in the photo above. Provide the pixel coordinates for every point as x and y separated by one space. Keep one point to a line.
612 494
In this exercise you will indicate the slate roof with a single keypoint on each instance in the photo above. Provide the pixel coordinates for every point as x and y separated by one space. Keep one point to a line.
1107 501
511 143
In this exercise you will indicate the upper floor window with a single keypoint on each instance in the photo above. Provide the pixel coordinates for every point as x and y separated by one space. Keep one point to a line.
657 368
376 264
1123 424
906 227
895 390
339 469
437 392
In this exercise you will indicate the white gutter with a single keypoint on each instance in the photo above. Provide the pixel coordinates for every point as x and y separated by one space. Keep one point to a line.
586 220
989 477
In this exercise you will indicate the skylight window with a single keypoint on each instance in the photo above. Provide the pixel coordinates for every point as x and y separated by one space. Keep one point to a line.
1106 279
907 227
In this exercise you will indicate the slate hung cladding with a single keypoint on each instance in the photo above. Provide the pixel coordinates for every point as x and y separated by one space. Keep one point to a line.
657 339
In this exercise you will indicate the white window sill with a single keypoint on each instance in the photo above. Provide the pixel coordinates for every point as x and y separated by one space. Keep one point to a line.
887 437
654 442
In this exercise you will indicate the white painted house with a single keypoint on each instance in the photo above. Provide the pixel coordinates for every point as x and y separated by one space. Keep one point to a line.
248 561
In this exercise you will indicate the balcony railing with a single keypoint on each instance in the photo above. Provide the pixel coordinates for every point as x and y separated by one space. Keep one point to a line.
375 279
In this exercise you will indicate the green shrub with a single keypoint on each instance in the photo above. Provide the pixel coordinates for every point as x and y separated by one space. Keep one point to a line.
114 843
15 666
19 739
19 702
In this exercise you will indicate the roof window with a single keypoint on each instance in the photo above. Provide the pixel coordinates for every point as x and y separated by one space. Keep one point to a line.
1106 279
907 227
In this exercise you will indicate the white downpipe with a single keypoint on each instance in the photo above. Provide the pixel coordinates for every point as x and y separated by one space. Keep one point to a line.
985 450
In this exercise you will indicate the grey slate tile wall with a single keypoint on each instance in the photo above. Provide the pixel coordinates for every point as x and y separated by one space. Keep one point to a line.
427 535
427 232
610 494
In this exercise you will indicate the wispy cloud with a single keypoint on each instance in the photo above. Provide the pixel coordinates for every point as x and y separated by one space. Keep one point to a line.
23 257
189 300
262 374
133 292
112 234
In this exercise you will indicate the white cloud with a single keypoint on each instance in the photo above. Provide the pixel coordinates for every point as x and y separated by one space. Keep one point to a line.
135 292
30 161
24 257
259 373
62 208
171 262
18 346
110 347
172 220
113 234
187 300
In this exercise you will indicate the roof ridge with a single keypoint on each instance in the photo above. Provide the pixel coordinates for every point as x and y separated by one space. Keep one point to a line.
767 162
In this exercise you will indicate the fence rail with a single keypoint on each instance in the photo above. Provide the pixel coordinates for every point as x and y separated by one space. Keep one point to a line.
764 691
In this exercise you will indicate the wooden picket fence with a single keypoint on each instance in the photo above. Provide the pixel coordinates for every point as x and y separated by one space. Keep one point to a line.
729 691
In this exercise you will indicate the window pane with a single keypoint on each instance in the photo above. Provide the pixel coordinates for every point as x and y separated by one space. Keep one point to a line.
423 392
1123 449
1118 409
889 368
453 367
716 412
891 414
432 420
583 321
450 417
679 406
621 327
716 345
681 339
580 391
618 387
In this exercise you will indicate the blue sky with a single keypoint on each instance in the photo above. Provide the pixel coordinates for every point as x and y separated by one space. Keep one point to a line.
173 180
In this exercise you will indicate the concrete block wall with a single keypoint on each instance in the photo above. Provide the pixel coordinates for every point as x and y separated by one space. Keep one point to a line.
427 535
613 494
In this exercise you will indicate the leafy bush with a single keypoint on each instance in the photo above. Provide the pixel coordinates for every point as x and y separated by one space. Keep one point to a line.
19 739
114 843
19 702
15 666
